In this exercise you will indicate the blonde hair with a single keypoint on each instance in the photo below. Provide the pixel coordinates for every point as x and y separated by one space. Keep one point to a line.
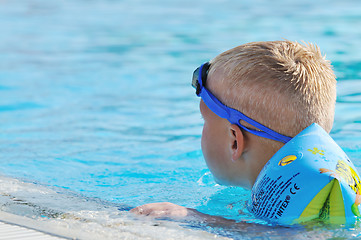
284 85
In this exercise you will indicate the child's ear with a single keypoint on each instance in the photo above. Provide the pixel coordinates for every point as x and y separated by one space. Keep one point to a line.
237 142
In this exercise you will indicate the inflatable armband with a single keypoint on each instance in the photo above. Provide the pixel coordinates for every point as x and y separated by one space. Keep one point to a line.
308 178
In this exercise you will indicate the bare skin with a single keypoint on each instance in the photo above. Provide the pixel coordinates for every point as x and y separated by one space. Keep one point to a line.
176 212
192 216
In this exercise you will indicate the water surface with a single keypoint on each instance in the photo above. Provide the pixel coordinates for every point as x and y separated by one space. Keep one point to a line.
95 98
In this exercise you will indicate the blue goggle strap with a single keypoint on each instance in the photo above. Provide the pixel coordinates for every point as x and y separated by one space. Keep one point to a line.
234 116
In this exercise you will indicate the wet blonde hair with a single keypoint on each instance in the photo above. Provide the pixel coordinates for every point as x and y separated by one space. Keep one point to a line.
283 85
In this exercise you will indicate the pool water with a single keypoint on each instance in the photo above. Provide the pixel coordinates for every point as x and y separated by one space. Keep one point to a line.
96 102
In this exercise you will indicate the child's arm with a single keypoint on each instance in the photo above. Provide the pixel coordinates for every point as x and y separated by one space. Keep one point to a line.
176 212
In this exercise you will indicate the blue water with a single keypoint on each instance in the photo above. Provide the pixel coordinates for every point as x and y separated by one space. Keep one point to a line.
95 96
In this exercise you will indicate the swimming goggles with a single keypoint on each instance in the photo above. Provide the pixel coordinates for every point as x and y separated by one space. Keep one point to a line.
232 115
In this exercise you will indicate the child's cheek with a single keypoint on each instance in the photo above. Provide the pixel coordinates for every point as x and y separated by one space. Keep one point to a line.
203 139
206 142
207 146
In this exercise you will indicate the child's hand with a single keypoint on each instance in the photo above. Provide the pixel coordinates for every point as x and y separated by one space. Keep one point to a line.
170 210
164 209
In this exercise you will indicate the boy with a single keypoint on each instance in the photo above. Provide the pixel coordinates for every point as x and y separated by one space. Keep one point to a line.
254 99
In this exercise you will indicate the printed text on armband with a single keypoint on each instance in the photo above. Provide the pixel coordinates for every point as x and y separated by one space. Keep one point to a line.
266 199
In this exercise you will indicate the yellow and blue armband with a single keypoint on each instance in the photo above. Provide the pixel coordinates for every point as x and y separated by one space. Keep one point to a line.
309 178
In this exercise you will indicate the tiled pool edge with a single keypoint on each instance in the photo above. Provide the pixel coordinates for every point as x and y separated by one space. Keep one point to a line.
12 231
33 229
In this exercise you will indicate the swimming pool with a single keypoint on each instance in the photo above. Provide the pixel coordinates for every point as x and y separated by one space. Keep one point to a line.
95 100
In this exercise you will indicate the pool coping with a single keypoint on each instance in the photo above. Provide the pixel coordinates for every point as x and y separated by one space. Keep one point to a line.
15 231
27 228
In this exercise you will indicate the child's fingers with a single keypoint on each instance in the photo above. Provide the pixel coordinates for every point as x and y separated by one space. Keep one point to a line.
138 210
161 210
151 209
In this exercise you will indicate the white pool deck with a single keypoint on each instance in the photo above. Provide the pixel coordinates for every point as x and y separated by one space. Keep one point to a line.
11 231
17 227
